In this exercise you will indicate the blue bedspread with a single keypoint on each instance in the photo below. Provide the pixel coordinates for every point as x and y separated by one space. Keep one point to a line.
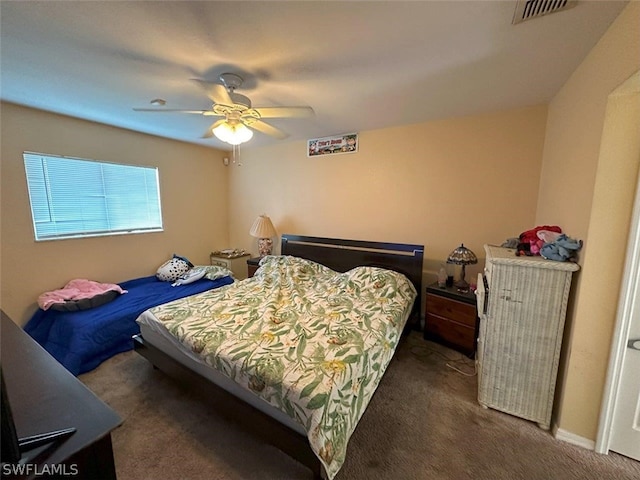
83 340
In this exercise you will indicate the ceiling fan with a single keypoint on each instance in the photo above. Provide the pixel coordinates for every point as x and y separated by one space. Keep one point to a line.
236 112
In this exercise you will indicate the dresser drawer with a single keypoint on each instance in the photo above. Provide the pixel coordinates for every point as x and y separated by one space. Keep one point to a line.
452 310
453 334
221 262
237 265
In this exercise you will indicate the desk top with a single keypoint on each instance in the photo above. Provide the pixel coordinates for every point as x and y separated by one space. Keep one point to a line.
44 396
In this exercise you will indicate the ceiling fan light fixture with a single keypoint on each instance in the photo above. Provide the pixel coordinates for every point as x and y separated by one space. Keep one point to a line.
233 134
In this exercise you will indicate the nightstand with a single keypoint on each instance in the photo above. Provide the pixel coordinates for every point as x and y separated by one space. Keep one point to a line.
235 264
451 318
252 266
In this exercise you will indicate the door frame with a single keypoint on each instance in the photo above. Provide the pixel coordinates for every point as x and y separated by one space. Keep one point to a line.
626 307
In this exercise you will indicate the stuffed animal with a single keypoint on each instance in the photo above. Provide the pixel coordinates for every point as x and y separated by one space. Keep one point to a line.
533 240
562 249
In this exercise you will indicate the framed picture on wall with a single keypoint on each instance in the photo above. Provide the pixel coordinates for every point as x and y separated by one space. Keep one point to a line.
346 143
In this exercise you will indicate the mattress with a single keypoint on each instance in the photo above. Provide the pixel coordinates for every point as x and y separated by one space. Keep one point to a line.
309 342
157 335
84 339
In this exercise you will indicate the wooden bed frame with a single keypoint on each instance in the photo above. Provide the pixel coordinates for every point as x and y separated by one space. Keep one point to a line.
339 255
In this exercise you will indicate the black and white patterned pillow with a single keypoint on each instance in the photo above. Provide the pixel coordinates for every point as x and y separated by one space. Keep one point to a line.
170 270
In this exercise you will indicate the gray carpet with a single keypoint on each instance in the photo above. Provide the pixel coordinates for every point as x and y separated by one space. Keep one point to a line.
423 423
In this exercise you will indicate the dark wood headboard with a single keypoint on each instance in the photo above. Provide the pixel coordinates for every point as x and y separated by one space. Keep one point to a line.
343 255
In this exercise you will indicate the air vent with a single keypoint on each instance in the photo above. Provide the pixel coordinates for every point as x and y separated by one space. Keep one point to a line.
528 9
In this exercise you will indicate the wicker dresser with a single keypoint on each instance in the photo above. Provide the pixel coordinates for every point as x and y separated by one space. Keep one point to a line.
522 302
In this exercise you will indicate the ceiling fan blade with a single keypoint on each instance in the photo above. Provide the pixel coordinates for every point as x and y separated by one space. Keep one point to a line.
265 128
180 110
285 112
217 93
209 132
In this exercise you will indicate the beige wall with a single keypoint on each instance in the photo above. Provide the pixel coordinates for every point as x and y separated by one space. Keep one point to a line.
471 180
193 186
589 173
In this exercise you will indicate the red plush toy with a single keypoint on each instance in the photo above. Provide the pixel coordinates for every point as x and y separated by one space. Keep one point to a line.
530 241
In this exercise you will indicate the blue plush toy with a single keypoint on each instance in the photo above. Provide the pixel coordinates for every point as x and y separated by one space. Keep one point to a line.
562 249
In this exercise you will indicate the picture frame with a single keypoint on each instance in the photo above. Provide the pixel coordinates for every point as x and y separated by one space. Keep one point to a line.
336 144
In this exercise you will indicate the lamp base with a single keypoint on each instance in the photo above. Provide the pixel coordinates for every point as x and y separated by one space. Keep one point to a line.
462 286
264 247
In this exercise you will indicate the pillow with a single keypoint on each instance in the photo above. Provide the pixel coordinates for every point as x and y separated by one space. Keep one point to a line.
191 276
214 272
170 270
85 303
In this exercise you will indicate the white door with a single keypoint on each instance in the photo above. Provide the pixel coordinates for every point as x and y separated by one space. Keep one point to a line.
625 423
625 432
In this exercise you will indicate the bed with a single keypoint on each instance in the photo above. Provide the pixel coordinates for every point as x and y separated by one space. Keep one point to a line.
296 352
82 340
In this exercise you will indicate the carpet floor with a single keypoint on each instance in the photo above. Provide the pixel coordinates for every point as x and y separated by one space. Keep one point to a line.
423 423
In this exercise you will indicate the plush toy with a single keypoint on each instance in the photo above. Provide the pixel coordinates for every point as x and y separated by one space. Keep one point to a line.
562 249
548 236
531 242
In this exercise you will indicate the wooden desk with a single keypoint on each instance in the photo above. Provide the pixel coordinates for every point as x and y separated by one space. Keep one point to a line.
44 396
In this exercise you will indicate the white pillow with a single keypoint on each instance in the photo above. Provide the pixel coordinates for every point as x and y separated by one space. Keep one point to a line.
189 277
214 272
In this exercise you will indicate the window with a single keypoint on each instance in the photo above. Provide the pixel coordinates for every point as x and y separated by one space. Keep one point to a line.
73 198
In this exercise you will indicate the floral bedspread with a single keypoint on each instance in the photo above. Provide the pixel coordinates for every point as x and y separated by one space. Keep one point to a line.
312 342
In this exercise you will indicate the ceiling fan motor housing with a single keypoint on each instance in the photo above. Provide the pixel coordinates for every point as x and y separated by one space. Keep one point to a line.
231 80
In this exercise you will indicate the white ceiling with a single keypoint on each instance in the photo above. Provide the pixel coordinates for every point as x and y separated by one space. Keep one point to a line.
360 65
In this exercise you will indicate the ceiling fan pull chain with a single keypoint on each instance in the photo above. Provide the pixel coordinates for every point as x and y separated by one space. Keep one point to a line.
236 154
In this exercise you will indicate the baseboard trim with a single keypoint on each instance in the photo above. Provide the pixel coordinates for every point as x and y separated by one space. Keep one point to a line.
573 439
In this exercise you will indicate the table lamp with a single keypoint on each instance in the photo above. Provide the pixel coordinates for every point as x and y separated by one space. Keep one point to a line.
263 230
462 256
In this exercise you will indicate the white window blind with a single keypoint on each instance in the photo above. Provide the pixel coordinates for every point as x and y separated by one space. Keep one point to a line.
72 197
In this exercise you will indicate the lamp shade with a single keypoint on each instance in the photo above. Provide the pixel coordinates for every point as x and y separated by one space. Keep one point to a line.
234 134
462 256
262 228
